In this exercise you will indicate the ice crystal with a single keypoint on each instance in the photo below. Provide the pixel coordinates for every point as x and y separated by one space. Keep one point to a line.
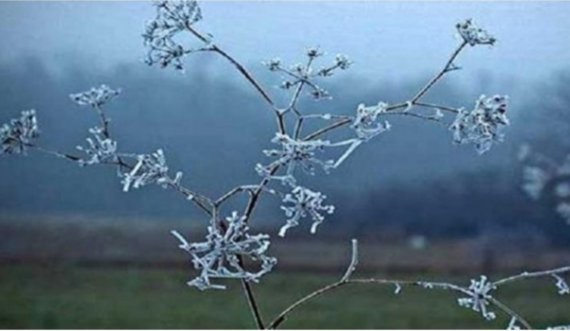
99 149
273 64
220 255
561 285
482 125
149 169
479 299
559 327
513 324
96 96
305 74
474 35
365 123
397 289
342 61
302 202
314 52
295 153
172 17
18 135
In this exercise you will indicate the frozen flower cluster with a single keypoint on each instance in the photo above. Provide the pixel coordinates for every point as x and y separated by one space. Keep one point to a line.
479 299
149 169
483 124
304 74
302 202
19 134
473 35
220 255
95 97
365 123
295 152
99 149
172 17
341 62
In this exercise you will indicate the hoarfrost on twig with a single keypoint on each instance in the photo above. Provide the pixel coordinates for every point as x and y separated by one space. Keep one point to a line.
302 202
172 17
18 135
479 300
219 256
481 126
99 149
149 169
96 96
474 35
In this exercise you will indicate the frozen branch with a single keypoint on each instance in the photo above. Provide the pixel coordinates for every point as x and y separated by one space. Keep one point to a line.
478 296
229 243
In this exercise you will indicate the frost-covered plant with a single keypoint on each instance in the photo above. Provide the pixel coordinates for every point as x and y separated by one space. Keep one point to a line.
172 19
220 256
228 241
366 121
149 169
18 135
96 96
99 149
474 35
479 297
296 152
482 125
302 202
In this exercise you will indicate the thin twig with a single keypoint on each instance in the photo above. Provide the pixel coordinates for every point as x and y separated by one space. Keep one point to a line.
535 274
440 74
509 311
434 106
245 73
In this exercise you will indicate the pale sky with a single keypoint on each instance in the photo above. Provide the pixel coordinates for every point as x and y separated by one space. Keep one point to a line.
385 39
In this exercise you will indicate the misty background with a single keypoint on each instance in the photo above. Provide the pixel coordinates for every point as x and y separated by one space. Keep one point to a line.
211 125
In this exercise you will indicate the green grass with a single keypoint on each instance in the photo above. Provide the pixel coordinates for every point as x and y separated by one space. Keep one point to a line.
74 297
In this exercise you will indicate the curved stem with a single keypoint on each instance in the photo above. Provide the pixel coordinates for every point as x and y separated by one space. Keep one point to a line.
283 315
506 309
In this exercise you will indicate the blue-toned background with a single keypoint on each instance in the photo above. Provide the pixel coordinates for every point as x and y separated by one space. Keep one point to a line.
409 192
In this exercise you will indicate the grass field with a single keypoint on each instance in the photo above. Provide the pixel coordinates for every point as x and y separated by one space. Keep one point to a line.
98 297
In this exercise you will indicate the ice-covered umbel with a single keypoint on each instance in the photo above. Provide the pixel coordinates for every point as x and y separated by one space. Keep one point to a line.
222 254
19 134
96 96
482 125
172 18
480 293
302 202
306 139
474 35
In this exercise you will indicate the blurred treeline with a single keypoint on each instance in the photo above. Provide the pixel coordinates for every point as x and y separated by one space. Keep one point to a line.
410 181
